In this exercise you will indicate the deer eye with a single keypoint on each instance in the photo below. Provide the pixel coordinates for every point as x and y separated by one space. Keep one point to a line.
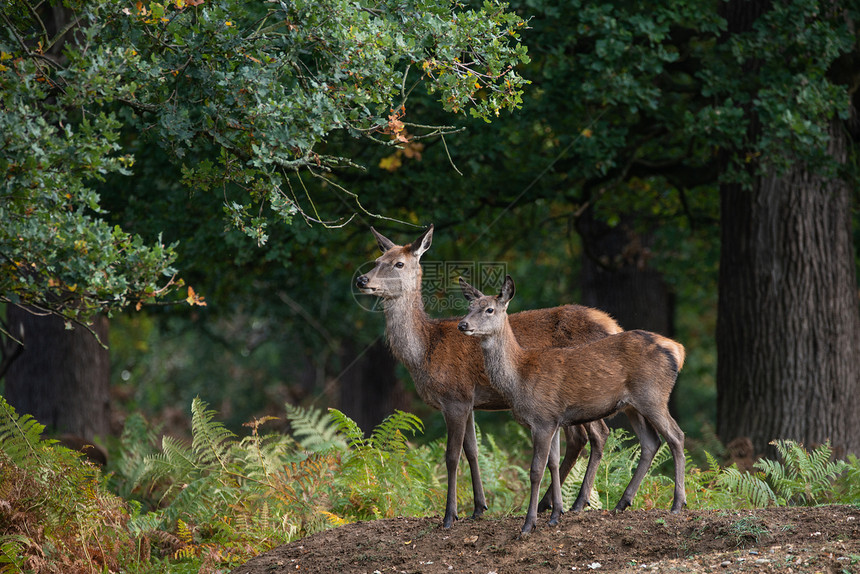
399 265
489 311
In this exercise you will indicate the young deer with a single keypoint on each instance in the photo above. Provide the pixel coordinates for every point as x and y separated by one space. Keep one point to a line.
447 378
633 371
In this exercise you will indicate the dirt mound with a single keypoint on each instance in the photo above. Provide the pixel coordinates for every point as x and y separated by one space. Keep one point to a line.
822 539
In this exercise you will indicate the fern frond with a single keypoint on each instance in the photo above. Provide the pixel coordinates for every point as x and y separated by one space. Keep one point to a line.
19 435
714 466
334 519
804 477
349 428
750 487
211 440
261 456
314 429
388 435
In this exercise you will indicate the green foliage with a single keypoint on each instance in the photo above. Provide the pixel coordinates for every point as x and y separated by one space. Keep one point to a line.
314 430
748 488
20 436
848 485
56 515
222 498
239 95
381 476
219 499
803 478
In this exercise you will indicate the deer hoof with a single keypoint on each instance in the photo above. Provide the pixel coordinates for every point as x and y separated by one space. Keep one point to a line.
621 506
449 519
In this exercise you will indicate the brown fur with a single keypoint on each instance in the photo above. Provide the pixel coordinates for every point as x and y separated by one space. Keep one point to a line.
441 361
632 371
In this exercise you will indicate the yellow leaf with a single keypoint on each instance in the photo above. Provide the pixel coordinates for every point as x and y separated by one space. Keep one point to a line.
194 299
334 518
391 163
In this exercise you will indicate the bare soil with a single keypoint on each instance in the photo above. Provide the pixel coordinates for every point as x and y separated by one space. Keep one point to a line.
822 539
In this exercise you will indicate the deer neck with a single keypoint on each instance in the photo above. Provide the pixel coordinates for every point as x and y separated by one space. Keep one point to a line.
502 355
406 326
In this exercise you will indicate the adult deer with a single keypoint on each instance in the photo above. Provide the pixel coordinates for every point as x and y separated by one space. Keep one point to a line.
441 362
633 372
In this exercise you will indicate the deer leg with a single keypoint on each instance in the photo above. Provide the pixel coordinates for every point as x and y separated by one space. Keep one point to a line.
666 426
649 442
542 438
470 448
575 439
598 432
455 421
555 482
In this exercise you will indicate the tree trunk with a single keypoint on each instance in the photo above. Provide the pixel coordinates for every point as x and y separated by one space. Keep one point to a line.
62 377
369 387
788 331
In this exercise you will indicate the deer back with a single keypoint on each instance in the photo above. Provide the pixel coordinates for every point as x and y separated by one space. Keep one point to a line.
596 380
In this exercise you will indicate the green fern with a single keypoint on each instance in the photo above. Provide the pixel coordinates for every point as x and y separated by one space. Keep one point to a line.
313 429
616 467
211 440
12 552
60 505
380 475
750 488
390 434
348 428
20 436
848 485
803 478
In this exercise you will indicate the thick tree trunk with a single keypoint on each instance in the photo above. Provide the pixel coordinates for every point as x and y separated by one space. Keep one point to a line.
62 377
788 331
369 387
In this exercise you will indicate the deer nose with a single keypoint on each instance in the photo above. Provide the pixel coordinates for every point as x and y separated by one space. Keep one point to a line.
362 281
463 326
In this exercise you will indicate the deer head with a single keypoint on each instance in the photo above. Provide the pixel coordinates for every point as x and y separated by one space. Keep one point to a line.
487 313
398 269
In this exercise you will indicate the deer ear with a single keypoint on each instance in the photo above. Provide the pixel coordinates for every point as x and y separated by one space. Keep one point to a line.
508 290
469 292
422 244
384 243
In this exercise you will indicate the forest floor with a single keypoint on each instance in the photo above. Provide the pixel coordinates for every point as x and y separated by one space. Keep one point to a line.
822 539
